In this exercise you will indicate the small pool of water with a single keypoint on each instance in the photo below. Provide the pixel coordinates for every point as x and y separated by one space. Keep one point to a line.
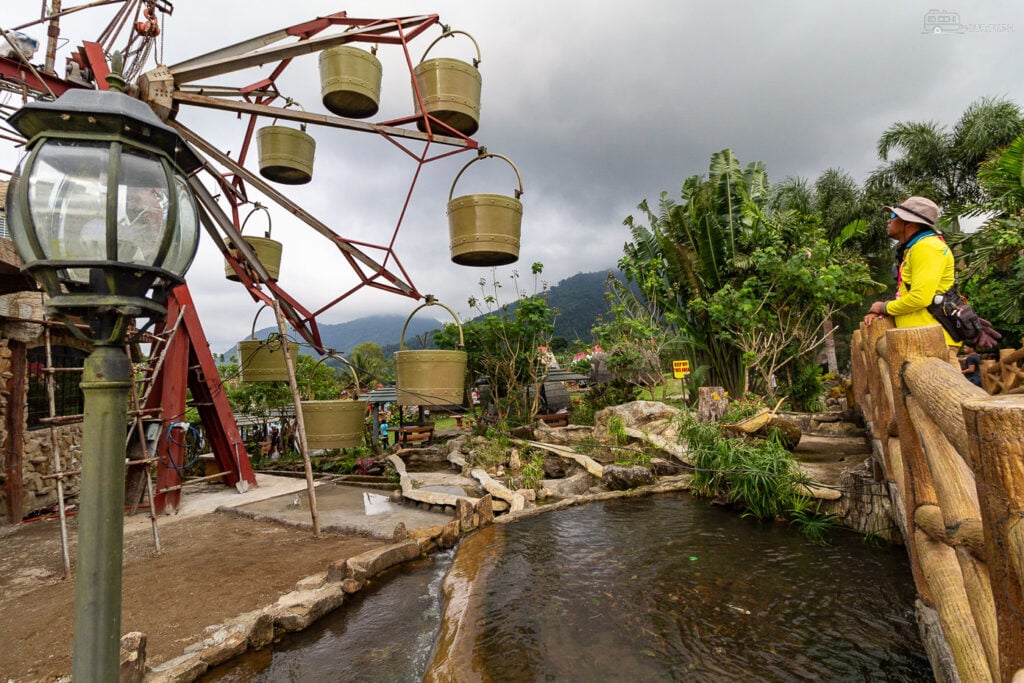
669 588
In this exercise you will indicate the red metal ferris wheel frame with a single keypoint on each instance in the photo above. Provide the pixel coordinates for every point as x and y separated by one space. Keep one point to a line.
166 89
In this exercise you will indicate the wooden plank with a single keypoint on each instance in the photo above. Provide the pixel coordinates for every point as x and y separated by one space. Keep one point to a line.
14 443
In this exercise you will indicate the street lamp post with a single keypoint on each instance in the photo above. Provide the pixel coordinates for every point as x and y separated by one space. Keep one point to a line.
102 216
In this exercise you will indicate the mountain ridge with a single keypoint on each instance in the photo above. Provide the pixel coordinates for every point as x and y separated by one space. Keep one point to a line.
579 300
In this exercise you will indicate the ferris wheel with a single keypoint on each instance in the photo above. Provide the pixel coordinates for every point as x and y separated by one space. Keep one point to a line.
445 114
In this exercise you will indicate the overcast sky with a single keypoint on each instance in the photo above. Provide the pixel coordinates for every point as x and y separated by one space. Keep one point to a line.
598 109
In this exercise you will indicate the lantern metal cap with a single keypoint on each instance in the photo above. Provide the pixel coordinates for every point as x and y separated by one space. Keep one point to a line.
93 112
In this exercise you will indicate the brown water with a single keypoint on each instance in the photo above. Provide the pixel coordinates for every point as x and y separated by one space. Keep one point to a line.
662 588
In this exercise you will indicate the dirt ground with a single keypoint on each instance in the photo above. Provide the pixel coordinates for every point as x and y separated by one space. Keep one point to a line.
212 566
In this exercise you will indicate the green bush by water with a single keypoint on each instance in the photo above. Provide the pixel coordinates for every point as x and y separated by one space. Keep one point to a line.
760 477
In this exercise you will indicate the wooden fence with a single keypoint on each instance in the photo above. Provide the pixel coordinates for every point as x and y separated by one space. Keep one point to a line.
953 456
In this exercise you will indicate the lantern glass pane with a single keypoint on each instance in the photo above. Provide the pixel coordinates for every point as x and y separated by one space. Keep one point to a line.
183 249
142 202
67 192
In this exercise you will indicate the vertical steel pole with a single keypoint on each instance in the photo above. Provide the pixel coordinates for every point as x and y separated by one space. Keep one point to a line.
97 633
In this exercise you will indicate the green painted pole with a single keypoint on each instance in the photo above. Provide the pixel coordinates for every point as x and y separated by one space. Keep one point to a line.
97 634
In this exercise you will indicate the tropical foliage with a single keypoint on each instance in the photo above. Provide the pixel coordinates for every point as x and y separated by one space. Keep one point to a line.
504 347
994 256
761 478
745 282
927 158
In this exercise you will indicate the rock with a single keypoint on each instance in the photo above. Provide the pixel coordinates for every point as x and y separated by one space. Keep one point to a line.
187 667
622 477
449 535
637 414
515 463
554 468
372 562
464 513
296 610
484 509
665 468
133 657
528 495
576 485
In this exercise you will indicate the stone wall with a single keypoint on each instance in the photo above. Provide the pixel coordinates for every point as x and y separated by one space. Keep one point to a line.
38 451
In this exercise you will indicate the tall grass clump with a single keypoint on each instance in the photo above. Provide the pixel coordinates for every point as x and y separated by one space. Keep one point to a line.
759 477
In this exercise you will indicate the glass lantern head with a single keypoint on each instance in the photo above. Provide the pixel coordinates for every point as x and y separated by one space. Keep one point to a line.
100 210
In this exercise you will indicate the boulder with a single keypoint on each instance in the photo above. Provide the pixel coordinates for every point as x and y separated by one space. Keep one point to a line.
623 477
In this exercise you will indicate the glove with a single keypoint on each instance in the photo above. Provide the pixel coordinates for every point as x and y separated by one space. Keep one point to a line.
987 335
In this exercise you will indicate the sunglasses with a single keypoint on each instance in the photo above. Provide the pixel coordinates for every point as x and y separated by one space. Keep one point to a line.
892 215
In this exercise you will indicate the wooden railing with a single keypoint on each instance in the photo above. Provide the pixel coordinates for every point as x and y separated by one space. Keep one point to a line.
953 456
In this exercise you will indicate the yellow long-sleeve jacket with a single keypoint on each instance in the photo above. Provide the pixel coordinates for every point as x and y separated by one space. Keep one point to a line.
928 268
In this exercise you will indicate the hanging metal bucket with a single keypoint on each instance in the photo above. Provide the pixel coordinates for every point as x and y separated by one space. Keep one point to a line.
267 251
483 229
263 360
286 154
450 89
334 423
350 81
430 377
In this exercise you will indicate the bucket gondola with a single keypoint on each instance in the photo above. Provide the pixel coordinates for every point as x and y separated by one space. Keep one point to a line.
450 89
262 360
484 229
267 251
286 154
430 377
335 423
350 81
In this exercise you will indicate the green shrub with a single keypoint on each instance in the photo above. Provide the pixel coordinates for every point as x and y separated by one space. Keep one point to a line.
759 477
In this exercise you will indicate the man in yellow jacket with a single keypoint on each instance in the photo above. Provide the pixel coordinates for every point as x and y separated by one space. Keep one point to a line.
925 265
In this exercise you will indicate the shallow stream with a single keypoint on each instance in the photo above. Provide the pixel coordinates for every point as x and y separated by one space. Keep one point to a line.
654 588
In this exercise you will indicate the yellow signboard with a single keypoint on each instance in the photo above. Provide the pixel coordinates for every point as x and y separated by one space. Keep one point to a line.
680 368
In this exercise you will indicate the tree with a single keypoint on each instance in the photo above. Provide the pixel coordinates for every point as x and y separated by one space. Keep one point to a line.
633 337
926 158
838 202
691 249
777 313
993 274
504 345
370 365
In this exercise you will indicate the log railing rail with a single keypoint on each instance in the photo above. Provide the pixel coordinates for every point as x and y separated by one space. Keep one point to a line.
953 458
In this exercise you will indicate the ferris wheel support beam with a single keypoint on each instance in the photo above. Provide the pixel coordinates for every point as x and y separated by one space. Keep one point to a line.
344 245
242 55
325 120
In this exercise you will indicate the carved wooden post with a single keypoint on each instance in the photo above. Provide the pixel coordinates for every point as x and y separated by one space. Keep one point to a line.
881 412
712 404
995 427
916 485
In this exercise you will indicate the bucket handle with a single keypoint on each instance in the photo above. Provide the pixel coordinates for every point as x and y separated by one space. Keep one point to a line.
331 353
448 33
257 207
484 155
272 338
288 102
430 301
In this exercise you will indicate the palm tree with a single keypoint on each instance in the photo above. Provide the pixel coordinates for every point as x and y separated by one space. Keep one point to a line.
994 255
926 158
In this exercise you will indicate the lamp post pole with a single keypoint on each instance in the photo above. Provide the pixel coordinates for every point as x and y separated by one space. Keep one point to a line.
105 383
101 215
